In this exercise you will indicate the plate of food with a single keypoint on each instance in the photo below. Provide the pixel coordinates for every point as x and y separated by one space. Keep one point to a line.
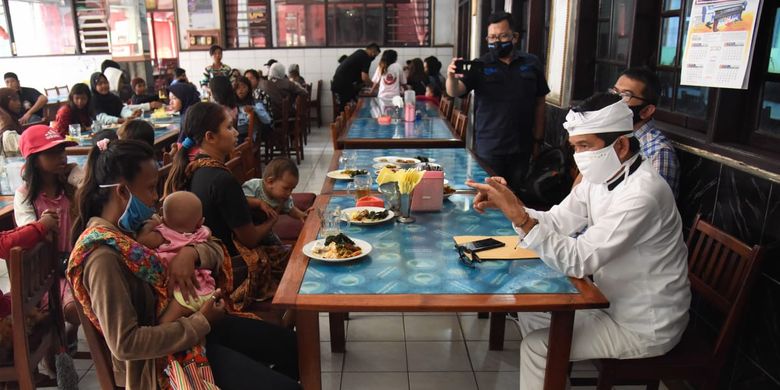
337 249
366 215
385 165
346 174
403 162
425 159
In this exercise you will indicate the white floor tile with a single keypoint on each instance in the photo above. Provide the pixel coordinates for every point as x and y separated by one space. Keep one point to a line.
375 357
485 360
479 328
376 328
374 381
329 361
331 380
498 380
442 380
432 328
437 356
89 381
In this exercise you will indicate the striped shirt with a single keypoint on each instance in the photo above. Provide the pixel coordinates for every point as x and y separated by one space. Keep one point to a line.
660 151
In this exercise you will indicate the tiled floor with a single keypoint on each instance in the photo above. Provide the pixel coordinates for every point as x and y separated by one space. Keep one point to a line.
395 351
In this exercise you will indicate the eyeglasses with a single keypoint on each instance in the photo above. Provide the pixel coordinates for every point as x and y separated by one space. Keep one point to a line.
468 262
500 37
626 95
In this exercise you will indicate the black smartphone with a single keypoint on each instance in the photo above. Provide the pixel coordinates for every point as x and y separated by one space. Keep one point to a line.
463 66
482 245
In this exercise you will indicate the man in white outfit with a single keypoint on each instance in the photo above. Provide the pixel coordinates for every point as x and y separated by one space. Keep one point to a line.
632 244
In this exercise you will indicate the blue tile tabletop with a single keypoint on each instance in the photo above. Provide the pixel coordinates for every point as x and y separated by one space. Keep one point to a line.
158 132
375 107
4 203
420 258
458 164
424 128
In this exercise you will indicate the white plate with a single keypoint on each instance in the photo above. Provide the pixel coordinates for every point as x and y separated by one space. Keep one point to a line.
394 160
348 211
364 246
339 175
382 165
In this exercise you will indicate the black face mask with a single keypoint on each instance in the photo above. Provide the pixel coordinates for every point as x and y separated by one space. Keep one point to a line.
501 49
636 110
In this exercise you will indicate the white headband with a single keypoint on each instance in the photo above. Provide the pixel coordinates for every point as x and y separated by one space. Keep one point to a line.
615 118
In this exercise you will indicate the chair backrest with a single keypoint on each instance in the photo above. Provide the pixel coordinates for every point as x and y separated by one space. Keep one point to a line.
236 168
465 103
317 93
334 135
461 122
162 176
244 151
445 107
63 90
33 274
722 270
51 92
454 116
250 132
98 348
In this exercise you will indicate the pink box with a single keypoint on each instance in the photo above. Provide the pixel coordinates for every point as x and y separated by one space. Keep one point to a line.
429 193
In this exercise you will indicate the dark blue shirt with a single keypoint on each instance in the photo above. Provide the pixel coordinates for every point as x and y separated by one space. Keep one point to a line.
505 103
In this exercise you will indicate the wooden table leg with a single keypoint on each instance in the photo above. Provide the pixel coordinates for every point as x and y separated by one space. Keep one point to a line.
559 350
308 332
337 339
497 326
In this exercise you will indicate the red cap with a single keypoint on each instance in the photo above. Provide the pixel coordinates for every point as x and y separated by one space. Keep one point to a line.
39 138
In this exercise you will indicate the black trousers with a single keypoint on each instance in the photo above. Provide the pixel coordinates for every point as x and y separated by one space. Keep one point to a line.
246 353
512 167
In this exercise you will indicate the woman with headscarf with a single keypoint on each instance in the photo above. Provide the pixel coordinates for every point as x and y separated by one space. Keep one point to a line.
279 87
182 96
107 107
294 75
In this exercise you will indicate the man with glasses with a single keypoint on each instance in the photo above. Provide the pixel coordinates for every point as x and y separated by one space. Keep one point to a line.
640 88
509 92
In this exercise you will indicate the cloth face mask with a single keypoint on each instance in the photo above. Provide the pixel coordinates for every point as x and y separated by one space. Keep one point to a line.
598 166
135 214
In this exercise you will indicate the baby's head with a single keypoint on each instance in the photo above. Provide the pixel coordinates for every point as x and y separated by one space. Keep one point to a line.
182 212
280 177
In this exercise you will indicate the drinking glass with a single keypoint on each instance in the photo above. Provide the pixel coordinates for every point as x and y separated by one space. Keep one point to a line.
360 186
330 221
74 130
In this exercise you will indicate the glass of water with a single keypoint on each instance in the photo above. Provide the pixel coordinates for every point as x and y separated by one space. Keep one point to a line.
74 130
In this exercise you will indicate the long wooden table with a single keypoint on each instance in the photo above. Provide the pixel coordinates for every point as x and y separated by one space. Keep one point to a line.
309 305
161 142
363 131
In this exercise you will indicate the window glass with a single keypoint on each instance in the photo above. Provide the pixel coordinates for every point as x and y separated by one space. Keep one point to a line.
687 16
603 40
622 25
42 27
605 8
669 33
162 40
5 37
671 5
354 24
692 100
666 80
247 23
300 23
774 55
769 119
407 22
125 28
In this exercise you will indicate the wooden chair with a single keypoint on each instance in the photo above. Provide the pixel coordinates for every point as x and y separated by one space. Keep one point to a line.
63 90
454 116
465 102
722 271
461 123
51 92
33 275
162 176
101 355
235 167
297 134
248 164
445 107
315 99
335 132
278 139
334 100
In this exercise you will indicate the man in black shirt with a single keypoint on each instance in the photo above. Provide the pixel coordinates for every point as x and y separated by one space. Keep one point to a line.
32 100
351 72
509 92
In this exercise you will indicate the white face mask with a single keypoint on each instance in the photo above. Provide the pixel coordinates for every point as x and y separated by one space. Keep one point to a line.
598 166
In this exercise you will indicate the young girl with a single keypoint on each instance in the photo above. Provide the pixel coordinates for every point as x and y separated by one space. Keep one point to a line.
9 106
49 184
140 96
389 76
108 108
417 80
137 129
223 94
122 287
208 127
246 103
77 111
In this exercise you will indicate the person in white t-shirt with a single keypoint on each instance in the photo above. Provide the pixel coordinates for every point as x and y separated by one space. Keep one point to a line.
389 77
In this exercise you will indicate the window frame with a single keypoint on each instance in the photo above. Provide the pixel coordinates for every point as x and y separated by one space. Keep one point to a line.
14 53
269 30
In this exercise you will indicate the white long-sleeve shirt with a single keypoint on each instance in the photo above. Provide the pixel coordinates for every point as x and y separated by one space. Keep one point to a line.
633 246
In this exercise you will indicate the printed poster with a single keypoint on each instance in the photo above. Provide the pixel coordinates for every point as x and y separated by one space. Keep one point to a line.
719 45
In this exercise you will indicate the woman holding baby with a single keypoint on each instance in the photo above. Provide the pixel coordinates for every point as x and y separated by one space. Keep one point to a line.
138 298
